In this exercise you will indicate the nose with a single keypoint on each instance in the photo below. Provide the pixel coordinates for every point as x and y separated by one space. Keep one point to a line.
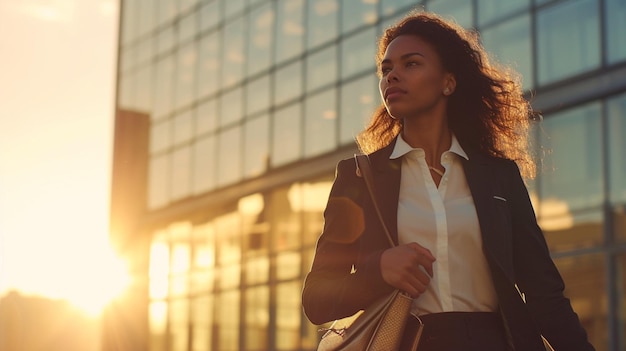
391 76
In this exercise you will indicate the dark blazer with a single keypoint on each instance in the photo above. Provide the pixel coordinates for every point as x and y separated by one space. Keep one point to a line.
345 276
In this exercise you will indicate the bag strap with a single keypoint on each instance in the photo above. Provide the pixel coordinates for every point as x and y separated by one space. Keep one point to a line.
364 169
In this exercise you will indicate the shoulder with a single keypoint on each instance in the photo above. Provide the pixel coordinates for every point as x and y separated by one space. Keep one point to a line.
493 161
345 172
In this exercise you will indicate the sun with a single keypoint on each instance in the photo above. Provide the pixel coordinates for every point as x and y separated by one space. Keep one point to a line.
84 270
105 279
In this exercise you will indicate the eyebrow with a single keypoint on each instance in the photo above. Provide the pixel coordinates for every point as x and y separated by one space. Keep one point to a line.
403 57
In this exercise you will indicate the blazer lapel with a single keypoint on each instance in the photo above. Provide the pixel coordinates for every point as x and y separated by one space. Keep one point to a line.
482 180
387 183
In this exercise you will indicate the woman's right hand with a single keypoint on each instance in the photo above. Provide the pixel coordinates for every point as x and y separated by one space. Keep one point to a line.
407 267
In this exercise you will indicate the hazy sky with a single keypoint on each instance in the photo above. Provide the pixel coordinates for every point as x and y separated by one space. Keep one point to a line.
57 85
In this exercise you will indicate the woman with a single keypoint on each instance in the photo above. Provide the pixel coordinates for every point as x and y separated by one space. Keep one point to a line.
446 148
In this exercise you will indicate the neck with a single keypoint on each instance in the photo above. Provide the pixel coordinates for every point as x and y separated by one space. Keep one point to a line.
430 134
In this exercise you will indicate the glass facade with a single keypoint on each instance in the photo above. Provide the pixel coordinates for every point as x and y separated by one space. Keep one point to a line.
252 103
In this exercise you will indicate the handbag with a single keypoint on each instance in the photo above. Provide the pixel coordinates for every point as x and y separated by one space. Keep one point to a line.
380 326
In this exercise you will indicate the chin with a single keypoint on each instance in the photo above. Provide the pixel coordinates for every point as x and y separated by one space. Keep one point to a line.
396 114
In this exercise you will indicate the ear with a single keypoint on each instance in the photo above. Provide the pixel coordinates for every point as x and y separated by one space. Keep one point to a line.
449 84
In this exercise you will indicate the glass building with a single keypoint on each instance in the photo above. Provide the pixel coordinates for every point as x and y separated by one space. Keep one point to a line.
232 114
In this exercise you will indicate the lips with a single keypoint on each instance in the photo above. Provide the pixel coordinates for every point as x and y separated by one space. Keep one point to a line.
393 92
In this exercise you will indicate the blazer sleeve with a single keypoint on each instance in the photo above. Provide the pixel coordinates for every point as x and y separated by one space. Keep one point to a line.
345 275
537 276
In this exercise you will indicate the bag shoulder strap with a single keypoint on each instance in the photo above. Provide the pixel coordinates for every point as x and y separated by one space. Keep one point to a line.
364 169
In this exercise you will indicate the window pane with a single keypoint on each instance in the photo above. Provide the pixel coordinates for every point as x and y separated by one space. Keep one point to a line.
229 164
568 36
163 87
166 11
390 7
203 261
183 127
615 29
159 181
616 109
572 174
145 22
144 51
585 282
179 285
181 172
257 270
510 42
288 315
160 136
166 40
358 53
206 117
227 321
209 15
186 75
159 267
204 165
258 95
257 319
229 275
356 13
569 230
127 91
461 11
286 135
288 265
255 228
187 27
359 99
157 314
490 10
143 96
229 239
186 5
287 207
289 29
320 123
322 21
289 83
209 65
130 26
257 146
261 25
233 7
231 107
128 59
233 56
321 68
202 323
619 223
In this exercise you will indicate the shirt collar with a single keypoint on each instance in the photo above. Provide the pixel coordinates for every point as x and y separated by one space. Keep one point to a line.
402 148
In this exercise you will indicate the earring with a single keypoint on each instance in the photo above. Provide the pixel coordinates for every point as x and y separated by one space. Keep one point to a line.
446 91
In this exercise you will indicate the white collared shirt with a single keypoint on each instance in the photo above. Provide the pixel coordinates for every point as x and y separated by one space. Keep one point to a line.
443 219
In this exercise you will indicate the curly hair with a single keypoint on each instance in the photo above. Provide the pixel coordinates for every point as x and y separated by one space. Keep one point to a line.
487 112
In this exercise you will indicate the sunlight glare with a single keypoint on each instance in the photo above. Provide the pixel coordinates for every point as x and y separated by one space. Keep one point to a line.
106 279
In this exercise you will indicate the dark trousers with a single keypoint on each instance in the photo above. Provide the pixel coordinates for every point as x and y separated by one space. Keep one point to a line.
458 331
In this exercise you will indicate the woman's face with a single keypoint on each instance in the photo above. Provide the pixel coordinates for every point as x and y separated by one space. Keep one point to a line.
413 81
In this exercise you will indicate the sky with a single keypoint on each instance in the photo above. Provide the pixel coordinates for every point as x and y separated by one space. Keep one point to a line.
57 89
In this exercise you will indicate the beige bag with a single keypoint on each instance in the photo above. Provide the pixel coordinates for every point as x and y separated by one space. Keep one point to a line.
381 326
